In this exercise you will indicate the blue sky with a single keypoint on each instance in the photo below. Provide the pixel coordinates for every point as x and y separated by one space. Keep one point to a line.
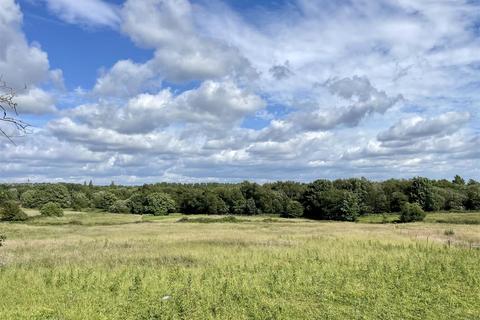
196 90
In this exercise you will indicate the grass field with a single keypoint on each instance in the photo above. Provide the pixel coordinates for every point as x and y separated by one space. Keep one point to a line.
104 266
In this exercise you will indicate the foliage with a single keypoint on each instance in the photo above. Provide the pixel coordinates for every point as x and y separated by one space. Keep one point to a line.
341 199
80 201
159 204
29 199
46 193
119 206
421 192
412 212
472 201
51 209
227 219
397 200
11 211
104 199
293 209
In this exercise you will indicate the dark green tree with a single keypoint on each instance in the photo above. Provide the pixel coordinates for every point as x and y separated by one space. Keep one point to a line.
421 192
11 211
458 180
51 209
412 212
104 199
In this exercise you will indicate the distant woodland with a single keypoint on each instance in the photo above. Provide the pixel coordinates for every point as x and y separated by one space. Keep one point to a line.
343 199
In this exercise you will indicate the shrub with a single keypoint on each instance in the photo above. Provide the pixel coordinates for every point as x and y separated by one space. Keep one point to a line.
80 201
293 209
51 209
104 199
411 212
11 211
119 206
449 232
159 204
29 199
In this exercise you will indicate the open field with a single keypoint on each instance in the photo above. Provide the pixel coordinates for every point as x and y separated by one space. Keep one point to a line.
104 266
436 217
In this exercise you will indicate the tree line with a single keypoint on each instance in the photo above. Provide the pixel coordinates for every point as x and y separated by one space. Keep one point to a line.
341 199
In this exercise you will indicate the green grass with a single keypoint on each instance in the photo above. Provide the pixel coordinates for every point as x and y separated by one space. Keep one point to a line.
290 269
454 218
437 217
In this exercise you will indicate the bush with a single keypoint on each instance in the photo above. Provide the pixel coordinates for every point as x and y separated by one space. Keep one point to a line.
159 204
80 201
119 206
11 211
29 199
104 199
411 212
51 209
293 209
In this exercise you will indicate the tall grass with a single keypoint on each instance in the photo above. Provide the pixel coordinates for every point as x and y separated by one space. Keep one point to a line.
261 270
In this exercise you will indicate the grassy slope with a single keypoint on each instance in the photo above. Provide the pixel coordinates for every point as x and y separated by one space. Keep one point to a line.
289 269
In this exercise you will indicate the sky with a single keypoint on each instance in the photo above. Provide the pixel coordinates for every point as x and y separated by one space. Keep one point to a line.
144 91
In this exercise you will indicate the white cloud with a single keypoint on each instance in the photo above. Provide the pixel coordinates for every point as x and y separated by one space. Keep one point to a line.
126 78
327 89
181 53
35 101
418 127
20 63
213 105
86 12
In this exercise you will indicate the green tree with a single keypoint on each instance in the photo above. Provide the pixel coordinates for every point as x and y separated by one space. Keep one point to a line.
293 209
458 180
472 201
80 201
53 193
30 199
119 206
421 192
250 207
51 209
104 199
159 203
397 200
349 208
454 200
213 204
11 211
412 212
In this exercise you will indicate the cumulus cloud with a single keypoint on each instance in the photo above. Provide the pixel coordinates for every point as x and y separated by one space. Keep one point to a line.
212 106
126 78
35 101
362 98
335 108
85 12
181 53
20 63
419 127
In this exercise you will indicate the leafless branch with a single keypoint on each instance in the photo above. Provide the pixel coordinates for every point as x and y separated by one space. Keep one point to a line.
9 113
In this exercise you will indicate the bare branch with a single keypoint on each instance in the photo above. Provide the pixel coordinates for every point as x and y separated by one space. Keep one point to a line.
9 113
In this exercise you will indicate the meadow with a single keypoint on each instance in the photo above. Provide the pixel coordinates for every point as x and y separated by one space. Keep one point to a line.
113 266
